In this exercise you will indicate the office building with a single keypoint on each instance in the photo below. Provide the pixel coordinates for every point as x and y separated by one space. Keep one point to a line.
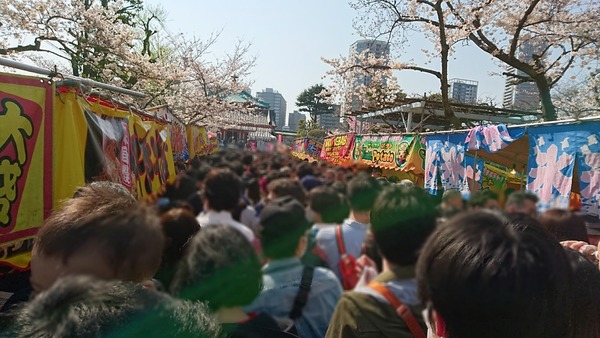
277 103
294 118
522 96
463 91
375 47
328 121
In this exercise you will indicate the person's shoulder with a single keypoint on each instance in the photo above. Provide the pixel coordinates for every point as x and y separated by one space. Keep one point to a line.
262 325
325 274
245 230
326 234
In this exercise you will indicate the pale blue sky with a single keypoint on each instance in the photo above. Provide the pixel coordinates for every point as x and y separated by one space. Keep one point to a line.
290 36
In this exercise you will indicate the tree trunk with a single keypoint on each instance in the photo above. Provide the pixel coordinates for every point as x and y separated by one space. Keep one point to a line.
445 51
548 109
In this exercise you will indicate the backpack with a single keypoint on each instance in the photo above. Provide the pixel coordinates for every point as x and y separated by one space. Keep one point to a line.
349 269
403 311
314 256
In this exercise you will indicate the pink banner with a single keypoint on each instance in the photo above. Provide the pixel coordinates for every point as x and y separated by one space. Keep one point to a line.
337 149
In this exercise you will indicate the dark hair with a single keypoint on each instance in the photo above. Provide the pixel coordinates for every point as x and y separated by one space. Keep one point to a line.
79 306
252 188
220 268
362 192
480 198
287 187
222 189
129 235
564 225
304 169
182 189
327 203
450 195
195 163
401 220
371 250
518 197
488 277
283 223
275 165
178 226
584 294
247 159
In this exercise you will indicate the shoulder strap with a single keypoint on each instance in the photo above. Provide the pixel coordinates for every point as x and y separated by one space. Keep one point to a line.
303 291
402 310
340 240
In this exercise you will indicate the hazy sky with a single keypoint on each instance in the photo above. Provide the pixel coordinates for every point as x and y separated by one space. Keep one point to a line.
290 36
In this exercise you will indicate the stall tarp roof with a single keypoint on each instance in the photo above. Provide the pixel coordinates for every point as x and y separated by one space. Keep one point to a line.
515 155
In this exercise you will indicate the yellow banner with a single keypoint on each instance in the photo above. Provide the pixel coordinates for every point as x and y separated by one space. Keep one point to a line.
26 114
152 158
198 142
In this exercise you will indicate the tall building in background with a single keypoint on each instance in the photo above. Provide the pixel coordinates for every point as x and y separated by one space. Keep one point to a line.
294 118
375 47
330 121
277 103
522 96
463 91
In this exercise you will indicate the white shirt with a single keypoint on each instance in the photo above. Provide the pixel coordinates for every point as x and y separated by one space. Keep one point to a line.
224 217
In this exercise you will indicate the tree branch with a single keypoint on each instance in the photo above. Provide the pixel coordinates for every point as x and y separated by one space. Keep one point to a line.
520 25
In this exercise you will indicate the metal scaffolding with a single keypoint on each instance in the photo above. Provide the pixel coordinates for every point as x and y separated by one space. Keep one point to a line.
50 73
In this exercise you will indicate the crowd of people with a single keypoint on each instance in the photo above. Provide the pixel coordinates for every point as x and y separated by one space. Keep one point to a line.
267 245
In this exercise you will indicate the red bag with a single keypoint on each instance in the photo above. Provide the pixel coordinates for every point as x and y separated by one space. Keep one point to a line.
349 269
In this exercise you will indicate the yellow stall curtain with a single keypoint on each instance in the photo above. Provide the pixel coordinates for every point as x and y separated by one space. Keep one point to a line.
26 113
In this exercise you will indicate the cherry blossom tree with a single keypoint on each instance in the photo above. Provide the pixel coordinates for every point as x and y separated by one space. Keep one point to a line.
365 82
578 98
540 39
391 19
560 35
123 44
95 39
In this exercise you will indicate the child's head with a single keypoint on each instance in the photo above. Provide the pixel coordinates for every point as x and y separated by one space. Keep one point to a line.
102 232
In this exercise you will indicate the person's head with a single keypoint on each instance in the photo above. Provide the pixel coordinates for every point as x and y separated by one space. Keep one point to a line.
340 174
106 193
93 236
362 191
376 172
452 200
304 169
286 187
178 226
83 307
484 199
401 220
326 204
564 225
484 276
220 268
522 202
284 224
584 295
222 189
329 175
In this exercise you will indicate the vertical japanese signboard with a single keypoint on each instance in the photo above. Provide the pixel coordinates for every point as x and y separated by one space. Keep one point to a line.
26 114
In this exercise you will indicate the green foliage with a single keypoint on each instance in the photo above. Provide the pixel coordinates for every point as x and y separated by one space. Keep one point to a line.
311 130
314 100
